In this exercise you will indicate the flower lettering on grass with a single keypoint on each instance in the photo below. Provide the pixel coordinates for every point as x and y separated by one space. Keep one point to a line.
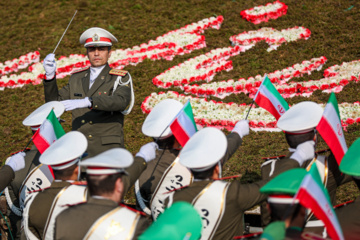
177 42
225 115
263 13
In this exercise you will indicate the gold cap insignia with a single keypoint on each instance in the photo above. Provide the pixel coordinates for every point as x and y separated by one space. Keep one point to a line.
95 38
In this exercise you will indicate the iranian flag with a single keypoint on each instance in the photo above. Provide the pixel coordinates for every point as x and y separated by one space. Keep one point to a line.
183 126
313 195
48 132
270 99
331 130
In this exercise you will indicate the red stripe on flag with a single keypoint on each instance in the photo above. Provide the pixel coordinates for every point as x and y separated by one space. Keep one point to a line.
264 102
331 139
308 201
40 143
179 133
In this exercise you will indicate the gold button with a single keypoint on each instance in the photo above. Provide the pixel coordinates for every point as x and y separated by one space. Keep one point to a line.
90 136
96 106
90 122
82 121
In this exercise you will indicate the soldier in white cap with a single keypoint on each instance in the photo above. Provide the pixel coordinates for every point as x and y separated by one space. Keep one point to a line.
221 204
23 180
299 124
98 96
41 207
166 173
108 176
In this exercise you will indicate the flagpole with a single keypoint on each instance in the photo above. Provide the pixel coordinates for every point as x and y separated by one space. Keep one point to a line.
27 145
255 97
252 103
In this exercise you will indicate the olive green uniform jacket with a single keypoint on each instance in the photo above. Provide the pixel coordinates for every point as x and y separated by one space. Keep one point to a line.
151 177
103 124
74 222
7 174
239 198
40 207
31 161
349 219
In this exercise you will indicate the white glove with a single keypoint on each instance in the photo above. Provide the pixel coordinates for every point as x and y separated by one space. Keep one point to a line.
148 151
76 103
17 161
242 128
49 66
304 151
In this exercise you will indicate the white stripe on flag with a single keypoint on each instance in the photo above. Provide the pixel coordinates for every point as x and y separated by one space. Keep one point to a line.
332 117
272 99
313 189
47 132
187 124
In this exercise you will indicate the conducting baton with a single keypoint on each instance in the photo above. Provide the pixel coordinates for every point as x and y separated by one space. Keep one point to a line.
64 32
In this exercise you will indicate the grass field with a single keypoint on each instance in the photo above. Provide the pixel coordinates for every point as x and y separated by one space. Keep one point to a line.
28 26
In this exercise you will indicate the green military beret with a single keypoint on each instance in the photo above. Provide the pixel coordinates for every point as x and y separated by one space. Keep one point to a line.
274 231
286 183
350 164
180 221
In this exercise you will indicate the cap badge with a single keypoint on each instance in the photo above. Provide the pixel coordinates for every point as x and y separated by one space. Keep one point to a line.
95 38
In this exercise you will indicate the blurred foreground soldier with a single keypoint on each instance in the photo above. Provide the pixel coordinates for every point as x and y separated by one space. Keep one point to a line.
281 191
348 215
178 222
98 96
166 173
33 175
221 204
42 207
7 172
299 125
102 216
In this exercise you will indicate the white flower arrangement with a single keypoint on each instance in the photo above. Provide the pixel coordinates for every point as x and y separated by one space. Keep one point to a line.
19 63
173 43
225 115
263 13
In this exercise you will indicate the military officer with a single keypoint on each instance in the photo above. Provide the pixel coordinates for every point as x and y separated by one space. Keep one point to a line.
102 215
298 124
7 172
17 190
98 96
348 215
221 204
165 173
63 157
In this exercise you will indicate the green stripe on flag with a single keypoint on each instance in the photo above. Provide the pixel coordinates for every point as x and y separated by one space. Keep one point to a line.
333 101
188 111
59 131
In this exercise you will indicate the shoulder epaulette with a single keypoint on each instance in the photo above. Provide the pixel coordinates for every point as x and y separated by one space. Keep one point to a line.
118 72
80 70
79 183
74 204
38 190
132 209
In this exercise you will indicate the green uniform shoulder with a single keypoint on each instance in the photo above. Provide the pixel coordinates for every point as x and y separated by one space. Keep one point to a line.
118 72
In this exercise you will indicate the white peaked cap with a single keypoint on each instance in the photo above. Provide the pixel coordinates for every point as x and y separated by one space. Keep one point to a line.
204 149
300 118
38 116
97 37
111 161
65 151
160 117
